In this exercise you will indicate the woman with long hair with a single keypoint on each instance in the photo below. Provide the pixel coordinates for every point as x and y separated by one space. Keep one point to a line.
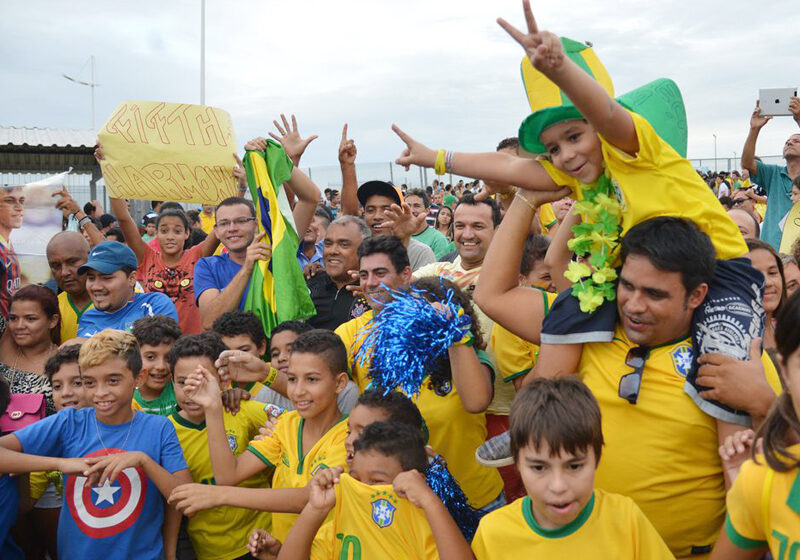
768 262
31 337
764 504
444 225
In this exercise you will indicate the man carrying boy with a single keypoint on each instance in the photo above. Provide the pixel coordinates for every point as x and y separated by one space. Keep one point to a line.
111 282
131 459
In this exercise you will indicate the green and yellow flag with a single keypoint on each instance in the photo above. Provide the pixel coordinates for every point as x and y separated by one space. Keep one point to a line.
278 290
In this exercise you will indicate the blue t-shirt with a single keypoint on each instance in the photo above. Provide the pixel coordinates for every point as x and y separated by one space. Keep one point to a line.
216 272
775 181
142 305
121 520
9 503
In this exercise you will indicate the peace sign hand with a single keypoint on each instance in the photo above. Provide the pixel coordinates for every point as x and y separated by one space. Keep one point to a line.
542 47
293 144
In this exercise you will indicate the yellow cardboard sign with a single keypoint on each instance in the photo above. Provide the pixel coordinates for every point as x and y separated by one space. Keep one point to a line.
791 230
168 151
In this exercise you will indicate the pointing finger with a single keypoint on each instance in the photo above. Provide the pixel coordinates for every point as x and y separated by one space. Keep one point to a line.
344 132
403 136
529 19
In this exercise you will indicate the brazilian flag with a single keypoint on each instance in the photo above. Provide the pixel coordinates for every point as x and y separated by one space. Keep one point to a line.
278 290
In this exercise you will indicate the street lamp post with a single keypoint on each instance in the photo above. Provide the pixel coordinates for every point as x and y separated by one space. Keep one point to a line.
715 151
90 83
202 52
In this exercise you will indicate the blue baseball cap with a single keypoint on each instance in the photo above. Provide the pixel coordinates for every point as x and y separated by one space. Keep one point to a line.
108 257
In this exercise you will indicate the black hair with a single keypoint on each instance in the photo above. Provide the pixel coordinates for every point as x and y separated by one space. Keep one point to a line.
235 200
155 330
325 344
64 355
420 193
234 323
396 440
673 244
170 206
194 216
89 208
782 418
399 408
511 142
388 245
117 234
154 203
5 395
297 327
324 213
560 412
726 201
173 213
106 220
469 200
207 344
435 288
534 251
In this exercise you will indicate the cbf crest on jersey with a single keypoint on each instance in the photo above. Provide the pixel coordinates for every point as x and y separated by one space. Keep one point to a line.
682 359
110 509
232 443
383 509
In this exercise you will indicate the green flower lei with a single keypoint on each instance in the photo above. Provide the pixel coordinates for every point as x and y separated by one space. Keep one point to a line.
596 242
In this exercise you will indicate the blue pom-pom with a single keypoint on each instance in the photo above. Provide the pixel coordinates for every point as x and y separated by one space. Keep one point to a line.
405 339
447 489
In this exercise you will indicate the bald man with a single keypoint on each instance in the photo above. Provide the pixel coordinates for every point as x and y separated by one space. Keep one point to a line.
66 252
746 221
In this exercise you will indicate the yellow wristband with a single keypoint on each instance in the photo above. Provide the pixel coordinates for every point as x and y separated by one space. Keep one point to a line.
273 374
438 166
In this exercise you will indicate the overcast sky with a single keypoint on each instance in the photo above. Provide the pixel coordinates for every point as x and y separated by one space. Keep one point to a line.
442 69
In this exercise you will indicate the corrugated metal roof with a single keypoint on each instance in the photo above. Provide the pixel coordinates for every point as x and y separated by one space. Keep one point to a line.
59 137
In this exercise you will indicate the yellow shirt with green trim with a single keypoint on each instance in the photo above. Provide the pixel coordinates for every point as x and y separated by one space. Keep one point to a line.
764 509
657 181
373 522
515 356
661 451
547 217
70 315
352 333
455 434
284 451
608 526
222 533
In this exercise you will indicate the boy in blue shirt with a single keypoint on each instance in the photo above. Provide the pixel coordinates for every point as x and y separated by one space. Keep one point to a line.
111 282
117 463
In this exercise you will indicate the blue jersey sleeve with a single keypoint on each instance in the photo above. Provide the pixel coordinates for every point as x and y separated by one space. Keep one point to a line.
46 436
203 277
171 453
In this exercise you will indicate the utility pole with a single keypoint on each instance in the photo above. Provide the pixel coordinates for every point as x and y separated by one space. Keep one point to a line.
90 83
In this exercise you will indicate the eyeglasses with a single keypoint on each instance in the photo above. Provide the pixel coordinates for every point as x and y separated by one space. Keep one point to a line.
224 224
739 201
630 383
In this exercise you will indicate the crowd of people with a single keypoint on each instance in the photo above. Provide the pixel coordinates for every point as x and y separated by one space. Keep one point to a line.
619 376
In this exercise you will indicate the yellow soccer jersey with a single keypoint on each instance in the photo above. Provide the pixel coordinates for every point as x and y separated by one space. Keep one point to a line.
222 533
662 451
284 451
764 509
609 526
373 522
207 222
515 356
659 182
547 217
351 334
40 480
455 434
70 315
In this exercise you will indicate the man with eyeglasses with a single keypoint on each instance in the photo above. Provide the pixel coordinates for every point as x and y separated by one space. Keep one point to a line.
660 444
12 210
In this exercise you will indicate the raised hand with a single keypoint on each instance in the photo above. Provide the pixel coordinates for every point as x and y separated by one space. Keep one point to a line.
293 144
323 494
239 174
203 388
411 485
66 203
236 365
258 144
259 250
794 108
757 120
543 48
347 149
415 152
403 223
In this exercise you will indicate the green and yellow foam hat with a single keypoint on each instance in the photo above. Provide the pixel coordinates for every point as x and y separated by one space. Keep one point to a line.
659 101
